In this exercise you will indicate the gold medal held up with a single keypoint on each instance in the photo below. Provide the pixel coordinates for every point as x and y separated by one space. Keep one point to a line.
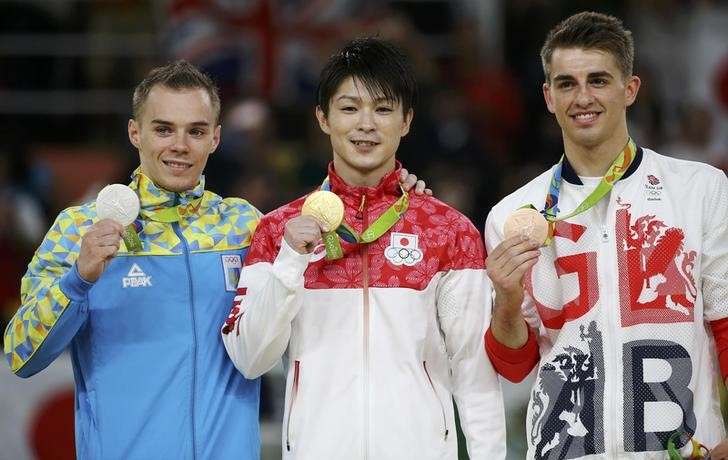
326 207
528 222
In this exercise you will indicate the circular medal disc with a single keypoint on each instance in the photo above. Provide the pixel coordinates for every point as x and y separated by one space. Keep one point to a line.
118 203
527 222
325 207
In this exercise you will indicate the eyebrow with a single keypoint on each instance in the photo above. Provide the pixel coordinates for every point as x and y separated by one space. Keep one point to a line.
600 74
358 99
169 123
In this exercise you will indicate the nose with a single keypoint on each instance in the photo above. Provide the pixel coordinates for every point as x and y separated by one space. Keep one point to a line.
584 97
180 143
366 121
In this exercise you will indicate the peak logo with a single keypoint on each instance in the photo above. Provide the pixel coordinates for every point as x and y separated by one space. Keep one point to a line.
136 278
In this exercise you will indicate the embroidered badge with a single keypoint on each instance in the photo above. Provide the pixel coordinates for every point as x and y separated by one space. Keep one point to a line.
403 249
231 266
653 188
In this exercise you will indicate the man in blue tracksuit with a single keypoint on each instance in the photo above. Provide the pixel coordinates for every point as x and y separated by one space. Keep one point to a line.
152 378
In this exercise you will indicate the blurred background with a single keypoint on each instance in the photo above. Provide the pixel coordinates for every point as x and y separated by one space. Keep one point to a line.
67 70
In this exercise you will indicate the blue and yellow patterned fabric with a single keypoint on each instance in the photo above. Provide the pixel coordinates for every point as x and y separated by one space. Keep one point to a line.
152 378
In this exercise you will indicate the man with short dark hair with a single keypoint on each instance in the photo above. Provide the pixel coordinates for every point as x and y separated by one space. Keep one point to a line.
381 326
152 378
626 303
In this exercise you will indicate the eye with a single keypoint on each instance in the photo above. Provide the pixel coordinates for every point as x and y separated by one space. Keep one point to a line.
348 108
384 109
197 132
163 130
599 82
565 84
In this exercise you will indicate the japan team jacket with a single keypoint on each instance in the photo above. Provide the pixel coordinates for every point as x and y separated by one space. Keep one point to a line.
152 377
378 343
623 301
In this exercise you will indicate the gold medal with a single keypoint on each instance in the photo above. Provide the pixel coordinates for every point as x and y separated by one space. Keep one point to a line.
527 222
325 207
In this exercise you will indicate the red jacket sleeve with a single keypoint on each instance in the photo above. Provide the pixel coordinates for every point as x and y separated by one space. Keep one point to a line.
513 363
720 333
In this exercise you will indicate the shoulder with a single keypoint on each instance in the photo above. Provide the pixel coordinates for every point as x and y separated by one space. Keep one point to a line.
676 169
274 222
65 234
75 219
431 212
232 205
706 184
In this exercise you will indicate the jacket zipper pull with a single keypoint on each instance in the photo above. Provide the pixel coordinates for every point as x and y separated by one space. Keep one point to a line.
446 433
605 235
360 211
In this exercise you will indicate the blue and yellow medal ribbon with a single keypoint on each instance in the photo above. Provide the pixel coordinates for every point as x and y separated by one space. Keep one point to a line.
619 166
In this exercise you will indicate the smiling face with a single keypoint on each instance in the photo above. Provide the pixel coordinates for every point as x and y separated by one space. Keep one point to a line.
175 134
589 97
365 132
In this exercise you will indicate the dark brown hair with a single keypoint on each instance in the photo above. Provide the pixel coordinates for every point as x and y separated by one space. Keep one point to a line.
590 30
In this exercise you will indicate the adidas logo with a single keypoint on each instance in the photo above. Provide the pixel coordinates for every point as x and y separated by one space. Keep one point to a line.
136 278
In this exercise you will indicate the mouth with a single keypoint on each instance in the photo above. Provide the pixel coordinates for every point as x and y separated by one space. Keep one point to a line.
585 118
176 165
363 145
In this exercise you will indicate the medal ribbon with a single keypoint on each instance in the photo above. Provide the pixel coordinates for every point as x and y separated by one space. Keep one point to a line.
699 451
614 173
166 214
174 213
378 228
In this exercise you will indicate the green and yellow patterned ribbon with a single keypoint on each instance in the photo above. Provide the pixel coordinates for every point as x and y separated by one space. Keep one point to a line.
619 166
378 228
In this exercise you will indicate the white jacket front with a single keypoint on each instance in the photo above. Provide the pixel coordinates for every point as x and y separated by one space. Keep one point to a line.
622 300
378 343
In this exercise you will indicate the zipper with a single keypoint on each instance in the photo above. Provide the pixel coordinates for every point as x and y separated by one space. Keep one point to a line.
366 313
439 401
294 394
604 269
178 232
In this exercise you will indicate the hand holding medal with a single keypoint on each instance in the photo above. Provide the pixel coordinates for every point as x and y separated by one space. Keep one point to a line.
326 207
120 204
116 207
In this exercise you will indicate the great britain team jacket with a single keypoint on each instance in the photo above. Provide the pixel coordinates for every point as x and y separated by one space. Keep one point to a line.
152 378
629 305
378 343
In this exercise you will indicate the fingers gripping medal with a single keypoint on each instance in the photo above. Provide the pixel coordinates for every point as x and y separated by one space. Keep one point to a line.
120 204
328 209
527 222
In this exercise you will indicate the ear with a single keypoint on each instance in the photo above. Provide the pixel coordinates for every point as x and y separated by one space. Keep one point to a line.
631 88
547 96
323 122
407 122
215 138
133 130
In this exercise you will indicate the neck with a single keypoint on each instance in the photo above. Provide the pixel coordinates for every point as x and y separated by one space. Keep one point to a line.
358 178
594 161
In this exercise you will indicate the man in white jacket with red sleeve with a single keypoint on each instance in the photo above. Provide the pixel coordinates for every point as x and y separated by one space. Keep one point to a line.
383 326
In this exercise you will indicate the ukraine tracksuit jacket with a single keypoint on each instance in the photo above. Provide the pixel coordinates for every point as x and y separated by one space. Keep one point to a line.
152 377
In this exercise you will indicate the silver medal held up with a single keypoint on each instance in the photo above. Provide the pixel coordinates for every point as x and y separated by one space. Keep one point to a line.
119 203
